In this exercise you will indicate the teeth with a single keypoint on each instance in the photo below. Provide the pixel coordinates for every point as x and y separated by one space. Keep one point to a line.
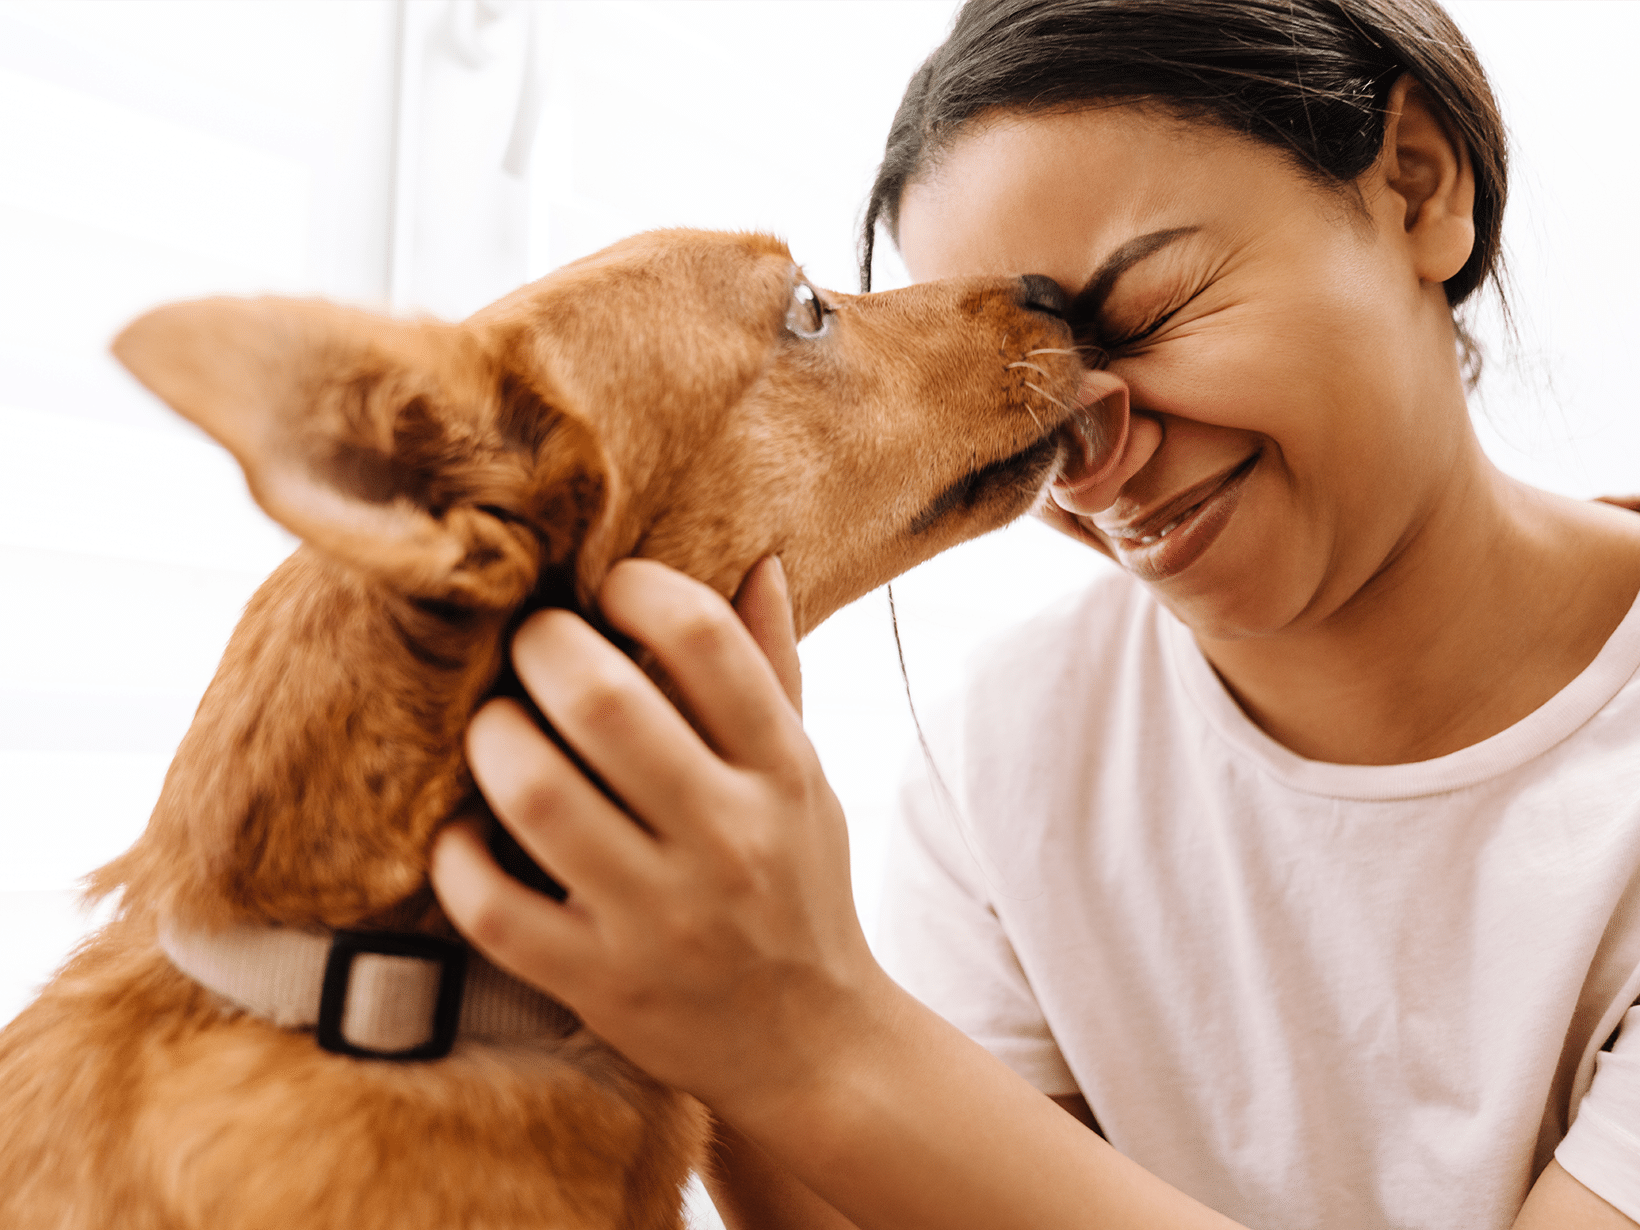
1144 540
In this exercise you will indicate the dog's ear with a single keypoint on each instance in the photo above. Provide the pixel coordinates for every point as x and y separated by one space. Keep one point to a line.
403 448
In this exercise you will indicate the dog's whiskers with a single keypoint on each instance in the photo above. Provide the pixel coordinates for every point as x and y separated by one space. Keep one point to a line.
1065 406
1100 355
1032 366
1087 349
1061 404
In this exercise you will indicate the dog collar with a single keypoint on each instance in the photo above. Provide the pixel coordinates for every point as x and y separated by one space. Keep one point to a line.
371 994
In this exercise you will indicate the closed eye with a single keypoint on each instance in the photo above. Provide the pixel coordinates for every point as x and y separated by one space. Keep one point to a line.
1133 339
1148 331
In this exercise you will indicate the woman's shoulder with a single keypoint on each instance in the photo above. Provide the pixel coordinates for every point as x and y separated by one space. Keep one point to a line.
1578 577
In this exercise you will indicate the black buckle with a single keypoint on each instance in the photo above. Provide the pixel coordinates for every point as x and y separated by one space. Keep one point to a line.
451 956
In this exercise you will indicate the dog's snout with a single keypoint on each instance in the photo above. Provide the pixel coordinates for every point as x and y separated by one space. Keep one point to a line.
1042 294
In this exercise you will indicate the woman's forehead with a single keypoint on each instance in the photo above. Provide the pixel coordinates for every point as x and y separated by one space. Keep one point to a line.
1057 193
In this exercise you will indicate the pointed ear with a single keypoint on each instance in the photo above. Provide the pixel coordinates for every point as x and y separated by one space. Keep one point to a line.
402 448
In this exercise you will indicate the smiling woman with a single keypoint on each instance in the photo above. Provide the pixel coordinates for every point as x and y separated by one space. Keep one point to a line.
1359 607
1261 1000
1312 333
1301 855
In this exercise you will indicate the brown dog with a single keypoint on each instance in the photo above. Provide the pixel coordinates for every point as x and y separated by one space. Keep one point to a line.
683 396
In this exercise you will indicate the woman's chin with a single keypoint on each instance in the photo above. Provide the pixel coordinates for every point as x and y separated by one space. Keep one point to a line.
1246 585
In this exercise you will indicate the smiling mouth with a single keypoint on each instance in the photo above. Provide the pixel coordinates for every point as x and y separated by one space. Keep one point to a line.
1176 512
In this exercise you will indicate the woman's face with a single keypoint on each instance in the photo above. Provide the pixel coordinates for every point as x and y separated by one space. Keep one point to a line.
1302 374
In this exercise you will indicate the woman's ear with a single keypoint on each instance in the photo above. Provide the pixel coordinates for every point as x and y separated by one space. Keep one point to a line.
1426 163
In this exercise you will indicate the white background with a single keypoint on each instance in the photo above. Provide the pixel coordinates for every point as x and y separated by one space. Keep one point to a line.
152 150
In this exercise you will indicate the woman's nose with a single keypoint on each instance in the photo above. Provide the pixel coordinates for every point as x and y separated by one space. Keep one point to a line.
1090 483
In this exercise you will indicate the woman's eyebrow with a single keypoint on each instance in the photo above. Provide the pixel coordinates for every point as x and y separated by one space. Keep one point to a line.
1093 295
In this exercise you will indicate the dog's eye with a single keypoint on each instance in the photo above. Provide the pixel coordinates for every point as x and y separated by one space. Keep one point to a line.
807 315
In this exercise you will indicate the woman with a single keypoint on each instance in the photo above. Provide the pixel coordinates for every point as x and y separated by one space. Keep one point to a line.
1298 858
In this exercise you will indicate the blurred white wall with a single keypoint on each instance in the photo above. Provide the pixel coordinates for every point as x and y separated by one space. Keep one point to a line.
152 150
148 151
1561 409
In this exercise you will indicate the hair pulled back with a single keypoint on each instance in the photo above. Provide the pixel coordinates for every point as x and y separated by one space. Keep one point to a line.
1311 77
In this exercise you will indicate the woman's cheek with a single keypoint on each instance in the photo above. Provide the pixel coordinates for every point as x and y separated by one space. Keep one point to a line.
1208 375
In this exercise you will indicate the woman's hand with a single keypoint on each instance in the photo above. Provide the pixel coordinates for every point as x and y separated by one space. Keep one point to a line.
714 942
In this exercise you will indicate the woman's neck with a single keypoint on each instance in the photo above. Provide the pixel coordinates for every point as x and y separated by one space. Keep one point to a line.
1501 597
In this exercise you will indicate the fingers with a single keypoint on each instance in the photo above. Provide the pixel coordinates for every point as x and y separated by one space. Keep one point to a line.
616 719
733 692
629 733
525 933
672 935
764 606
560 818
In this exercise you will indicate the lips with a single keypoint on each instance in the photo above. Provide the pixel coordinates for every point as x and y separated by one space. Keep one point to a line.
1167 540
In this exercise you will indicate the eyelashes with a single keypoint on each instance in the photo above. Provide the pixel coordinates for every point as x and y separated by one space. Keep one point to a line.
1133 339
1142 334
1094 337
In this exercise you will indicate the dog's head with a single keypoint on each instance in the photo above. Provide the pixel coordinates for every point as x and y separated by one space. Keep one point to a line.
684 396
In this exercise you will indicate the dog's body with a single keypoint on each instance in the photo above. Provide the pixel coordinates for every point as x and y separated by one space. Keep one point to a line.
681 396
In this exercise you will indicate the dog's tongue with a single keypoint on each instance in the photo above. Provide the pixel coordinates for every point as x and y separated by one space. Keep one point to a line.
1096 438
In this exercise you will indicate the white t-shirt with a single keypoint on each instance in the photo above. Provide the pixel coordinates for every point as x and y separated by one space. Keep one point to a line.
1307 994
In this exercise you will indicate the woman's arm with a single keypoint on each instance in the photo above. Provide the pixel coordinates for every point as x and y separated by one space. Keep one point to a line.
717 945
754 1192
719 949
1560 1202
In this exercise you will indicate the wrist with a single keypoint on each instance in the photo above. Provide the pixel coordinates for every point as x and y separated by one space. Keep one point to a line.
832 1044
846 1118
908 1123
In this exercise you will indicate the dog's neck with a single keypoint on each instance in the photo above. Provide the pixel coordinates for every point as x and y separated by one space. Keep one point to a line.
368 994
328 750
325 756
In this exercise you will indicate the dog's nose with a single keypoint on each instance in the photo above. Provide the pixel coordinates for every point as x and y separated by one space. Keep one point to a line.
1040 294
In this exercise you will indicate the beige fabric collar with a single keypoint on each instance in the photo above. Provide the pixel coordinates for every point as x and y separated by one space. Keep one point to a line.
387 1004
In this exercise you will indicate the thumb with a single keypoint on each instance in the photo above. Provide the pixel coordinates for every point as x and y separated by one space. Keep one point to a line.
764 606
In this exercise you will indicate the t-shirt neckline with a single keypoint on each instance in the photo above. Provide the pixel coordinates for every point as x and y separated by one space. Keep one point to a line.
1543 728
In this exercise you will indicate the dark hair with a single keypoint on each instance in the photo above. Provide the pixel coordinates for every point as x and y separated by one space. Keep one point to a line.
1307 76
